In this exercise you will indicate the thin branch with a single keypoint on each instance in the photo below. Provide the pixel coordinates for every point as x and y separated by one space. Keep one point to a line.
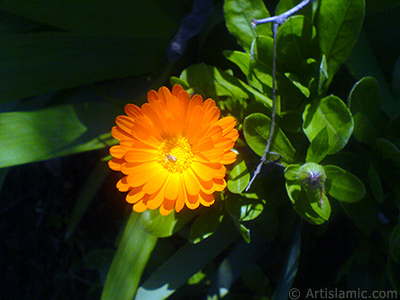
277 20
281 18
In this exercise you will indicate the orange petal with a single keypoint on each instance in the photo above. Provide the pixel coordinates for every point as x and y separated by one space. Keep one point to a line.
122 185
167 207
152 96
125 123
192 201
172 186
116 164
176 89
141 155
227 124
135 195
228 158
139 174
140 206
156 199
206 199
156 182
119 134
207 171
132 110
191 182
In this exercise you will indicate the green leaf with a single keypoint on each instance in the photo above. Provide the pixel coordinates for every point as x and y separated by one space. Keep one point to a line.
375 183
330 113
338 25
163 226
363 62
239 176
319 147
343 185
245 207
256 129
296 81
188 260
323 74
123 18
206 223
36 63
212 82
301 202
56 131
133 252
394 243
364 101
238 17
389 151
294 43
241 59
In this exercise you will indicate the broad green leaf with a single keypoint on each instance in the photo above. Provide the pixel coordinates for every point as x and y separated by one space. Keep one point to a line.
291 172
241 59
55 131
212 82
319 203
260 76
133 252
296 81
388 151
364 101
238 17
206 223
123 18
256 129
188 260
163 226
394 243
36 63
363 62
239 176
338 25
319 147
343 185
295 43
330 113
301 202
375 183
245 207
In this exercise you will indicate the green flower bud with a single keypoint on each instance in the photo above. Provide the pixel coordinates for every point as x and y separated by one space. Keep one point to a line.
312 176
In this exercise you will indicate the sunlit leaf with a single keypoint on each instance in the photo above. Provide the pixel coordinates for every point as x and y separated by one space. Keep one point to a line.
239 176
319 147
330 113
163 226
256 131
238 17
185 262
133 252
343 185
56 131
212 82
338 25
245 207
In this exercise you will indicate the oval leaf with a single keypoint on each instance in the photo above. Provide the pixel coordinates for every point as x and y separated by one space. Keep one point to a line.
239 176
238 17
330 113
343 185
256 131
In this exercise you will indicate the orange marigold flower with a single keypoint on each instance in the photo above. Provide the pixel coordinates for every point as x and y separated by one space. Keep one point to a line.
172 151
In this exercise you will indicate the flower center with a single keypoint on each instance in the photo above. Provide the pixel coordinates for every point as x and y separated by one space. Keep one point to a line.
175 154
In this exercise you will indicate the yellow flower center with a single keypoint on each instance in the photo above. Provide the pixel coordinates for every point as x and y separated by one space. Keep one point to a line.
175 154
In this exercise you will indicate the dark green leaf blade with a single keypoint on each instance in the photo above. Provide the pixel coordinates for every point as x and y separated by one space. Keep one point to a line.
36 63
